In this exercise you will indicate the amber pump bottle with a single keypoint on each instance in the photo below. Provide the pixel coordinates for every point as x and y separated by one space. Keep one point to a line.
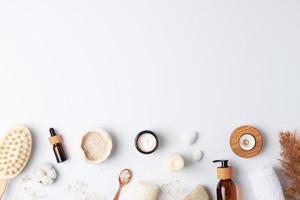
226 189
55 140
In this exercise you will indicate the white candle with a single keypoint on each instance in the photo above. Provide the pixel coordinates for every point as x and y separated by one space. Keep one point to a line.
247 142
175 162
146 191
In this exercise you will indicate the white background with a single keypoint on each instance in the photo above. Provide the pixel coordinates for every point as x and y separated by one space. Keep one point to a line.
165 65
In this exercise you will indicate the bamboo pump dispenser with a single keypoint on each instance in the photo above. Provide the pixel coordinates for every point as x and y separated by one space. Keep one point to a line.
226 189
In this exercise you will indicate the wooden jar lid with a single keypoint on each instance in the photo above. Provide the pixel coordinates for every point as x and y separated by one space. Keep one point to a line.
246 141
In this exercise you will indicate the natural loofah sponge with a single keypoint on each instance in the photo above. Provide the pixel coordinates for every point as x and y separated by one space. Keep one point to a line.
198 193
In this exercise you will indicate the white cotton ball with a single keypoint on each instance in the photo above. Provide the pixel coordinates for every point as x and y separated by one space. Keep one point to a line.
44 180
52 173
45 167
197 155
189 138
45 174
38 174
50 181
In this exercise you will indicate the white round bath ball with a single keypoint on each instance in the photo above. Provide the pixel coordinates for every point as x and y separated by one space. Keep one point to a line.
175 162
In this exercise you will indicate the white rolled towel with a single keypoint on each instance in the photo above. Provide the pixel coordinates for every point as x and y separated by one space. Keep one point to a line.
265 184
146 191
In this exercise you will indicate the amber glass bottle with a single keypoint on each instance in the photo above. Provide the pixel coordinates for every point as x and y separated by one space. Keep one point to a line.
58 149
226 189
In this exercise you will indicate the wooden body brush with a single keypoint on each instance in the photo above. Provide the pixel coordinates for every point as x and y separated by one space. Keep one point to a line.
15 150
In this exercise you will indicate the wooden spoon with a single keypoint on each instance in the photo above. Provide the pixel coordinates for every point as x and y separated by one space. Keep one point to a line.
124 178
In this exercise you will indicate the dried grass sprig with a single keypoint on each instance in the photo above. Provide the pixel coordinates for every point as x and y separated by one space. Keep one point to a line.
290 162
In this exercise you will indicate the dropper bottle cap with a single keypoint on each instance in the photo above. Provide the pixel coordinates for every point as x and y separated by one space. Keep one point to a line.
55 140
52 132
224 172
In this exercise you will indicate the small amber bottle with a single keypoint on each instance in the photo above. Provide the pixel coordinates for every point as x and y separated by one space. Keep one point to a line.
58 149
226 189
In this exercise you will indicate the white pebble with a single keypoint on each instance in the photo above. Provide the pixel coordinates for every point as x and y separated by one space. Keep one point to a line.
197 155
190 137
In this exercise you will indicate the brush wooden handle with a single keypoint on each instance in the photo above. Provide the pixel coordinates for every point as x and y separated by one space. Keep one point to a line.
3 184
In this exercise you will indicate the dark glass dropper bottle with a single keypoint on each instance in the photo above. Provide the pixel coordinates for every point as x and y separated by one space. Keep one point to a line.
58 150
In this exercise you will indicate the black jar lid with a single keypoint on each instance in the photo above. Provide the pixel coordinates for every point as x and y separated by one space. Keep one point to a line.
137 141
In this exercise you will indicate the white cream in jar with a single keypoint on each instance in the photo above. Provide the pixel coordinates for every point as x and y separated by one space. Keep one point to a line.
146 142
